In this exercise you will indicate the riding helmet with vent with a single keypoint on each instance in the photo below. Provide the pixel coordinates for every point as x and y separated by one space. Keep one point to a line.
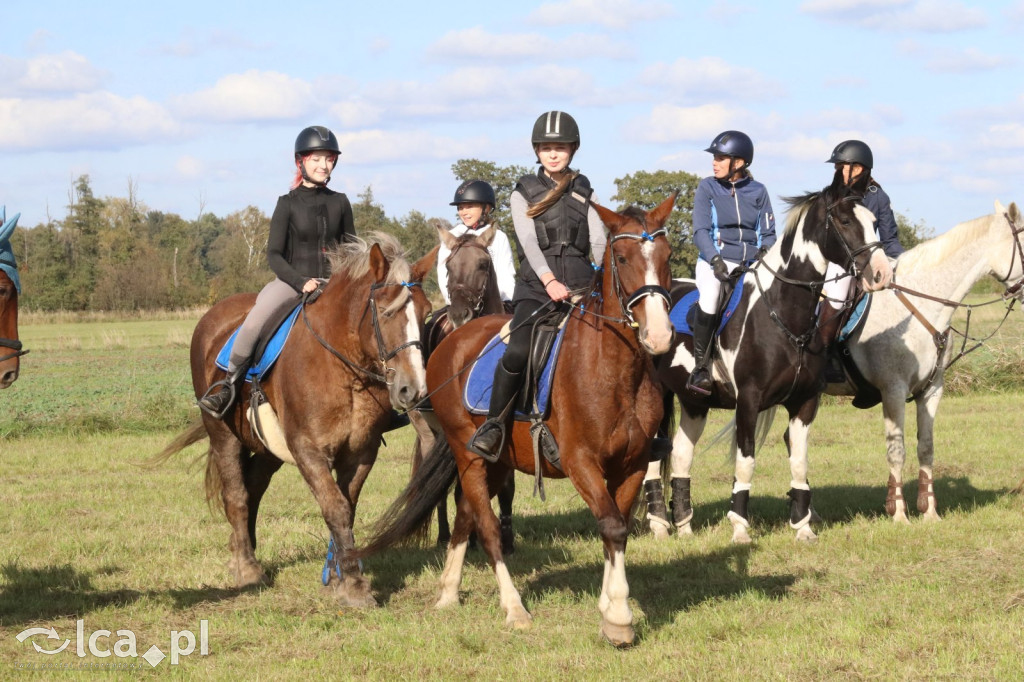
316 139
474 192
556 126
733 143
852 151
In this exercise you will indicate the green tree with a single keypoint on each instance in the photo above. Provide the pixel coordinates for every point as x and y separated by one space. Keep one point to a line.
81 231
648 189
910 233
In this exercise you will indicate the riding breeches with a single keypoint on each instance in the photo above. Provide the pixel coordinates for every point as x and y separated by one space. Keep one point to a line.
518 352
274 299
708 287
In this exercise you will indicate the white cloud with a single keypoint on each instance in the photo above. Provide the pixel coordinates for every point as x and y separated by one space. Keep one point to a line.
189 167
191 45
478 44
64 72
611 13
1001 136
691 79
975 185
250 96
370 147
98 120
838 118
929 16
948 60
672 124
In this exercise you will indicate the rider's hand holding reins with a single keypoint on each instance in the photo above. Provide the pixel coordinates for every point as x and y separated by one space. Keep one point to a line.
556 290
721 269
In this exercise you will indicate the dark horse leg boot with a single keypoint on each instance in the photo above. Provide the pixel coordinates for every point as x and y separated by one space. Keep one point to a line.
703 332
220 396
489 439
682 510
657 513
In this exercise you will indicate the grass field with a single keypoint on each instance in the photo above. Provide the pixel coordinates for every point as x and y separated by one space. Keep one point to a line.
91 536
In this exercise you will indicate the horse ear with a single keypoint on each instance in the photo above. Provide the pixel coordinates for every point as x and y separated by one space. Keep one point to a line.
423 266
379 265
612 220
7 226
999 207
445 236
487 236
660 214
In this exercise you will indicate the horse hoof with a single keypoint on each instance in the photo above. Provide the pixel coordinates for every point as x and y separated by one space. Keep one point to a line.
684 529
807 535
740 536
619 636
900 518
519 618
248 575
353 592
659 531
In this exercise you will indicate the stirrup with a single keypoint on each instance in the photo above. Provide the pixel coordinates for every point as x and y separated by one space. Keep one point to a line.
700 390
218 385
488 425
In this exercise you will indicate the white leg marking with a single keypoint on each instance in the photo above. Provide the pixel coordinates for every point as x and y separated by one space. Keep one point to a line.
516 615
451 577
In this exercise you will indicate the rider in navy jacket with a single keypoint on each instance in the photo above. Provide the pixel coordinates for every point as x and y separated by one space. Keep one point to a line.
732 223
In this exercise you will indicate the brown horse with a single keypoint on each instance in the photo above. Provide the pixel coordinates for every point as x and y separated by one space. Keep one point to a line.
606 407
355 355
10 287
473 291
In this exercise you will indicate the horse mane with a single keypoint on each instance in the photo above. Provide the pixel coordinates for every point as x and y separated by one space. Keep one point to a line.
938 249
798 205
353 259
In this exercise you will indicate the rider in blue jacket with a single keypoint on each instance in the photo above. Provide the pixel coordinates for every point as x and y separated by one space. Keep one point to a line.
732 223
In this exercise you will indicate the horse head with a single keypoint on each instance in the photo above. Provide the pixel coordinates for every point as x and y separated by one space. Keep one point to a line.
1014 227
398 309
472 282
10 287
637 264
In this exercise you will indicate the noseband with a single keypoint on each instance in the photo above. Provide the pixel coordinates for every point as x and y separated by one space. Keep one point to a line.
628 303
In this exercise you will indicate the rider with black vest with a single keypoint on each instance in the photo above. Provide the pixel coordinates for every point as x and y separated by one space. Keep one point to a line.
732 223
307 222
557 230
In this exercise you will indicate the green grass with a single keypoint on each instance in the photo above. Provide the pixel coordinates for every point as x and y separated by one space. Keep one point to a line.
90 535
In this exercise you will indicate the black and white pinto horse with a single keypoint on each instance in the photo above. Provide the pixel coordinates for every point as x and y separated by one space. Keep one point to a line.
904 343
770 352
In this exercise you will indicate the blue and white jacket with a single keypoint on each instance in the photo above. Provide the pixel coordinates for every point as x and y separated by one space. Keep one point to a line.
733 219
877 201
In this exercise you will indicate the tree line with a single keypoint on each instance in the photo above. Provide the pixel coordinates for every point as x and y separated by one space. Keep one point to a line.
113 253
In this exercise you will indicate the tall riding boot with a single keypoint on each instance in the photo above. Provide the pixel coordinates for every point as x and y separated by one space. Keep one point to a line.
216 404
489 439
829 322
703 332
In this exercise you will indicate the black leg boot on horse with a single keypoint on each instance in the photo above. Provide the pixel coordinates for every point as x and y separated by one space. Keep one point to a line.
220 396
489 439
703 334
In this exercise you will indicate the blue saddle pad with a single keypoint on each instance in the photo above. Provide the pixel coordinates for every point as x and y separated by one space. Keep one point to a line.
476 396
856 317
270 354
682 308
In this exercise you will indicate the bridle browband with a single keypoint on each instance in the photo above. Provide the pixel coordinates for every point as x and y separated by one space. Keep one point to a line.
383 354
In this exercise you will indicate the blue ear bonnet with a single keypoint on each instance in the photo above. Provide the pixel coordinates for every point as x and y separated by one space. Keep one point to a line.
7 262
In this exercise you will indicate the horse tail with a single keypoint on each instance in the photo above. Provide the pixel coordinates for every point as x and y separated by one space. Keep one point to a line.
193 434
765 419
410 514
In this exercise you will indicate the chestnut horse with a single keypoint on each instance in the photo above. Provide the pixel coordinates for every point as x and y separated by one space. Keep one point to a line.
770 353
10 287
606 406
355 355
473 291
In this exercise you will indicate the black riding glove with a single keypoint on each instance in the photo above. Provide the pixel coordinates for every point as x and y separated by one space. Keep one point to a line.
721 269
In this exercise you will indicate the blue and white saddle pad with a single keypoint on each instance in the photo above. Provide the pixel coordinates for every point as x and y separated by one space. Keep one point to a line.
270 354
856 317
682 308
476 396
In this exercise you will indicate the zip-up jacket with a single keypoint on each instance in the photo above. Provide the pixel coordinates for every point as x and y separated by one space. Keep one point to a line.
877 201
306 223
733 219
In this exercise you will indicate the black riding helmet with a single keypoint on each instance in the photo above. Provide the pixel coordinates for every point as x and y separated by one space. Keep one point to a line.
733 143
852 151
316 138
474 192
556 126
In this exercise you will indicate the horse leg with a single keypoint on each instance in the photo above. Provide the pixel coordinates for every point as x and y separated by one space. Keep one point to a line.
800 513
927 406
746 426
228 460
612 506
506 494
258 471
893 409
654 487
337 500
691 427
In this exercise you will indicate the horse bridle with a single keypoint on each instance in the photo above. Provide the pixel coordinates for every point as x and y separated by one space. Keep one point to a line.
476 299
850 253
383 354
628 303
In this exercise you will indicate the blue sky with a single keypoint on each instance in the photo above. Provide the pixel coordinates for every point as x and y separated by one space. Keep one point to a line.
197 104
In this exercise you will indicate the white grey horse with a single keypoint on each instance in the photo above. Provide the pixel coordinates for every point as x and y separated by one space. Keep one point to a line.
896 349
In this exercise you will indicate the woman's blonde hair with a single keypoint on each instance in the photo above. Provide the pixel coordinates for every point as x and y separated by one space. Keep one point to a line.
553 195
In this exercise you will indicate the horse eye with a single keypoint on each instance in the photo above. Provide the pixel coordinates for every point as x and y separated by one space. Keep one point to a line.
483 267
621 259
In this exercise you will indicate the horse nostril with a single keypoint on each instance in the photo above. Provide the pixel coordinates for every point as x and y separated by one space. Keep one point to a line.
8 378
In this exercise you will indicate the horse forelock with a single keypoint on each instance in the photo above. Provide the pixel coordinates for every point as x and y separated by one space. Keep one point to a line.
636 213
352 258
798 208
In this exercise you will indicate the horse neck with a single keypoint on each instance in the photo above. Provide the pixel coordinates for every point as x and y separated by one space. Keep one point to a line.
340 312
609 336
950 264
492 302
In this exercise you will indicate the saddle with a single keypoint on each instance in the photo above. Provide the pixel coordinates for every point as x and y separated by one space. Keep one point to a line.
268 349
685 295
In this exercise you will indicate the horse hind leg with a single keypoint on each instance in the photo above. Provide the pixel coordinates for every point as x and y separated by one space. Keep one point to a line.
893 409
800 512
738 515
926 409
226 468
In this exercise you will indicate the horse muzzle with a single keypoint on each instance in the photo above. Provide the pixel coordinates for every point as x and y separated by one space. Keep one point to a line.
878 273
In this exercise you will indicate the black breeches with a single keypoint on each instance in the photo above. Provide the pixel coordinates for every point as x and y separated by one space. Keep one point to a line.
518 351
